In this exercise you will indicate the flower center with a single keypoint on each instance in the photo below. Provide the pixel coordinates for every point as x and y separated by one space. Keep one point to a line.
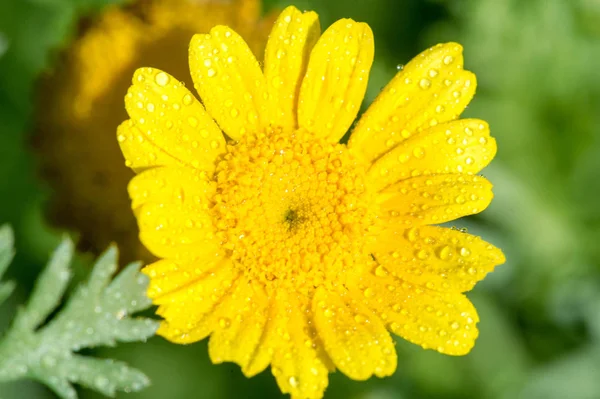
292 209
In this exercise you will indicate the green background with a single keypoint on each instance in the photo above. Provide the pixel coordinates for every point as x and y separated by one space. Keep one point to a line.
537 63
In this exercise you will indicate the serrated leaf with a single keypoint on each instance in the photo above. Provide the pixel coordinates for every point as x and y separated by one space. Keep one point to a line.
96 314
106 375
6 248
6 255
49 289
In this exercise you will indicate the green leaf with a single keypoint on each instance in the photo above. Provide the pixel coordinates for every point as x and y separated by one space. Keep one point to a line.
43 347
6 255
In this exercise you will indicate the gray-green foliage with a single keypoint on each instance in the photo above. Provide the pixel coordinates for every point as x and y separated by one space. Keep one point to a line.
6 255
43 345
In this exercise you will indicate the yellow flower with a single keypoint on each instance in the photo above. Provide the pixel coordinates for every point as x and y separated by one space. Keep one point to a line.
287 247
80 106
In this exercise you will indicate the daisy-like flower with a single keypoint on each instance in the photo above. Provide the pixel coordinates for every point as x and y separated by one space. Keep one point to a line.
81 104
286 247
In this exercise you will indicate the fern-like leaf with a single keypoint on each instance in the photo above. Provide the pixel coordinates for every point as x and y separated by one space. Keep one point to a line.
96 314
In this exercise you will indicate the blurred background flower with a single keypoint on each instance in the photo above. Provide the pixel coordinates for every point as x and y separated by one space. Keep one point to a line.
539 87
80 104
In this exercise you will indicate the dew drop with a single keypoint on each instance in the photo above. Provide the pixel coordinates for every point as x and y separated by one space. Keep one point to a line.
403 158
101 382
187 99
425 83
224 322
193 121
412 234
48 361
418 152
445 252
161 79
448 59
294 381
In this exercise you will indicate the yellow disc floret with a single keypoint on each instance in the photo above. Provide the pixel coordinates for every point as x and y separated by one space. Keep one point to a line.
293 209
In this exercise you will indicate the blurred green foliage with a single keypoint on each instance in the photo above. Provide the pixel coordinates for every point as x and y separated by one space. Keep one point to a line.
538 86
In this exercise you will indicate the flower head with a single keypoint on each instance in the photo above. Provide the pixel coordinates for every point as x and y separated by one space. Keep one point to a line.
286 247
80 106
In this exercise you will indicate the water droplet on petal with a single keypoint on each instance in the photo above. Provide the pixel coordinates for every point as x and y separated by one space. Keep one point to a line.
224 322
187 99
448 59
425 83
418 152
161 79
294 381
445 252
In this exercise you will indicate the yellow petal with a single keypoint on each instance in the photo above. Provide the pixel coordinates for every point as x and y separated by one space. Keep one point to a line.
176 231
168 275
229 81
354 337
433 199
436 257
139 152
268 341
286 57
171 117
189 312
240 326
462 146
298 367
336 79
173 185
431 89
442 321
